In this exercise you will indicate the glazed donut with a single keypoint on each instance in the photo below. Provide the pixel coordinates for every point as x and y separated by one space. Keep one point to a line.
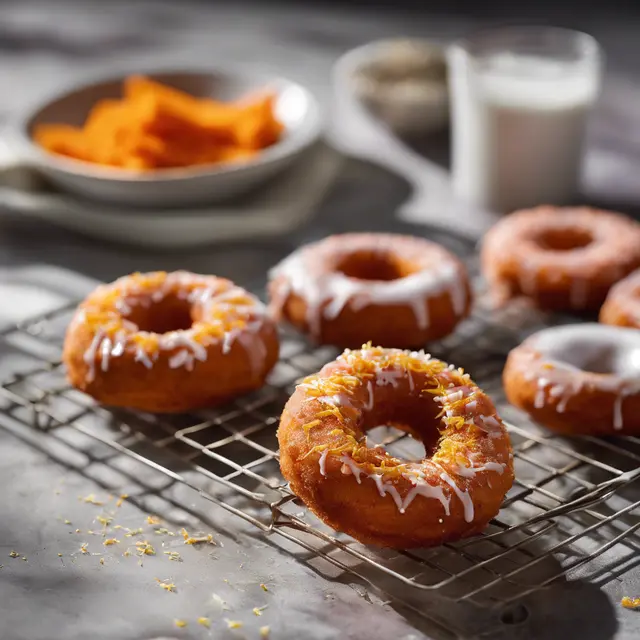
561 258
169 342
622 306
578 379
380 499
393 290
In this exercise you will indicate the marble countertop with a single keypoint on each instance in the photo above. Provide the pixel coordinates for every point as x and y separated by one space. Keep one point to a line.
45 44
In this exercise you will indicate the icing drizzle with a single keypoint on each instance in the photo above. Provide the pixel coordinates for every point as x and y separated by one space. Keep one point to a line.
327 293
461 404
568 353
227 314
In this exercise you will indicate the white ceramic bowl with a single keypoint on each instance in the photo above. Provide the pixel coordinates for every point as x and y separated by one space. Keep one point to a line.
415 108
295 106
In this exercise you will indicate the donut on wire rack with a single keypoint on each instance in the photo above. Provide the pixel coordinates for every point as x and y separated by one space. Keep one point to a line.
564 259
396 291
578 379
378 498
622 306
169 342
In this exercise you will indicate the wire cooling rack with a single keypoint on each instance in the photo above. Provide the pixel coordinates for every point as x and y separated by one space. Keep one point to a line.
230 456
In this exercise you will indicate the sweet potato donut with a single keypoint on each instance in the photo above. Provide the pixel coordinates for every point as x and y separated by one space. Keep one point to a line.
394 290
169 342
375 497
578 379
561 258
622 306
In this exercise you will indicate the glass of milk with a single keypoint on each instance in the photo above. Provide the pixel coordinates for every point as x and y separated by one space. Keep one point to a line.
520 97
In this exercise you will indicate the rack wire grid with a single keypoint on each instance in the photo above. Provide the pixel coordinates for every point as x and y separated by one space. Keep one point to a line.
230 456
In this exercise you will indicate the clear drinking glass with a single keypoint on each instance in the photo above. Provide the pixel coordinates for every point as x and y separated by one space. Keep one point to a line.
520 97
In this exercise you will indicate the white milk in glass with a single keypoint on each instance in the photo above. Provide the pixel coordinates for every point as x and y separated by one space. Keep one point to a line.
518 127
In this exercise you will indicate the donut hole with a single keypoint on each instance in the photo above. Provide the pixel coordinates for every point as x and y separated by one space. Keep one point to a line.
168 314
568 239
367 265
407 428
398 442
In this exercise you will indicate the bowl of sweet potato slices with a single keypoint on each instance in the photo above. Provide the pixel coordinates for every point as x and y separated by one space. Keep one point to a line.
170 139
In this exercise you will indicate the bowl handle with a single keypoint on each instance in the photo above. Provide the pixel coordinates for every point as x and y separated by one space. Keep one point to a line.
15 170
358 133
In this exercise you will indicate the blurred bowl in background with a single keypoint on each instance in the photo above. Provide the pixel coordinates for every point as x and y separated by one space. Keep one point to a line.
402 81
295 107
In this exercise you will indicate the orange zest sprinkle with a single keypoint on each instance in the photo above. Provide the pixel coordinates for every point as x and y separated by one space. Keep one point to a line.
188 539
233 624
166 585
91 499
443 382
630 603
145 548
100 312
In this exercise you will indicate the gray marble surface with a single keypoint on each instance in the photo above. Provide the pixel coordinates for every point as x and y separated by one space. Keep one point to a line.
46 43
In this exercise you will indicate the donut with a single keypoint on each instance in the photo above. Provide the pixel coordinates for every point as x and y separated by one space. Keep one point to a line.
169 342
393 290
380 499
622 306
563 259
578 379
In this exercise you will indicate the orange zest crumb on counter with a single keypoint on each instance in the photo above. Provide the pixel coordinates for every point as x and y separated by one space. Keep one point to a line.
189 539
233 624
166 585
630 603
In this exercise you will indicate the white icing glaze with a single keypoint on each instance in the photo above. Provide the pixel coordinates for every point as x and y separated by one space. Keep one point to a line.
463 496
349 467
370 400
471 471
539 400
181 359
119 344
106 347
423 488
490 424
570 350
416 476
190 350
390 376
90 355
387 487
328 294
142 356
322 463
